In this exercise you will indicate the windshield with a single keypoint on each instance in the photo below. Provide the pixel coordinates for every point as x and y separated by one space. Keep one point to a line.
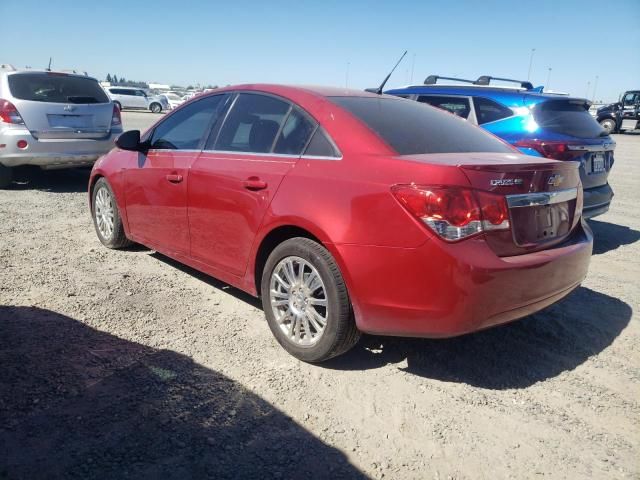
568 117
56 88
413 128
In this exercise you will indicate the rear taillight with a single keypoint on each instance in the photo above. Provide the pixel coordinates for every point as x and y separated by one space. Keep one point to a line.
116 118
454 213
9 113
554 150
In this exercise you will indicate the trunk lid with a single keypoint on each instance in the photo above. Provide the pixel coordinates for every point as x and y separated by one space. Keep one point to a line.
544 197
61 106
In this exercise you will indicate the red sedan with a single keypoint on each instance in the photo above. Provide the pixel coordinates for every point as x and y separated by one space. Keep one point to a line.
347 212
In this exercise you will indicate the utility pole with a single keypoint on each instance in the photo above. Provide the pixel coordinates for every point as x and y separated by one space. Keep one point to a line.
413 62
586 95
533 50
595 85
546 85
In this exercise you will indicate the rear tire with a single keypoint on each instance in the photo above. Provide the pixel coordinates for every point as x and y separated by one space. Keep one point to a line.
106 216
609 125
156 107
312 319
6 176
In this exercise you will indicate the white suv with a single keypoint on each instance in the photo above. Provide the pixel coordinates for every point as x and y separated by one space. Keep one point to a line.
53 120
137 99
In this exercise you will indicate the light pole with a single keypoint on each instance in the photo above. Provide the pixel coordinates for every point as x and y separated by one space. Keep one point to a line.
546 85
586 95
413 62
595 85
533 50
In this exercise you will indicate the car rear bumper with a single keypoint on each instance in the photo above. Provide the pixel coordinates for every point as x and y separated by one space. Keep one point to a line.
52 153
443 290
597 200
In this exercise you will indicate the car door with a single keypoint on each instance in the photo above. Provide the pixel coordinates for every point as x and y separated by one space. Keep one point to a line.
233 181
156 196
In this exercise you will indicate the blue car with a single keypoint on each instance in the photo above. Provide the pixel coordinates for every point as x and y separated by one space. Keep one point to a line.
542 124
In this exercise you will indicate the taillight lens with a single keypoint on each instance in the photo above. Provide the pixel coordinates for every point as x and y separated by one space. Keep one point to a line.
554 150
9 113
454 213
116 118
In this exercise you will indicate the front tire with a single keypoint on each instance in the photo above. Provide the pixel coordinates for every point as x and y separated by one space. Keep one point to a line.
6 176
609 125
106 216
306 302
156 107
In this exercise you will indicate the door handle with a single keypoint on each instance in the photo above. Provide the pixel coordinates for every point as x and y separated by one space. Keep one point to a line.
174 178
254 183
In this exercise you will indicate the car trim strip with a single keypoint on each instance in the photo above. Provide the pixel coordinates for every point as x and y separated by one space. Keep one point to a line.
605 147
537 199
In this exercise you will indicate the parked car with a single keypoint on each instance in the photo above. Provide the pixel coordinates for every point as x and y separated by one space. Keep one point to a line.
537 123
53 120
347 212
172 99
137 99
623 115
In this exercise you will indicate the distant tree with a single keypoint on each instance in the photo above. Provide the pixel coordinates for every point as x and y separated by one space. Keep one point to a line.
123 80
189 87
109 77
115 80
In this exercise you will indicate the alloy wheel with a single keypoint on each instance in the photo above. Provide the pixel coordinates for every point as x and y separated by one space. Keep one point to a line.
104 212
298 299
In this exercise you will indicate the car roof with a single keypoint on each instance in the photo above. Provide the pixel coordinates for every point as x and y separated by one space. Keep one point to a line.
47 72
285 90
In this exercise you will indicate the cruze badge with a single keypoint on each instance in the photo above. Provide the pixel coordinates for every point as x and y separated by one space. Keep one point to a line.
555 179
505 182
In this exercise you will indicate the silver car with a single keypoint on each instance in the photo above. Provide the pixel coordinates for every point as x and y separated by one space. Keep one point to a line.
137 99
53 120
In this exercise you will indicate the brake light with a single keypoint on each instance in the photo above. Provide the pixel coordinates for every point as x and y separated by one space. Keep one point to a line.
454 213
554 150
116 118
9 113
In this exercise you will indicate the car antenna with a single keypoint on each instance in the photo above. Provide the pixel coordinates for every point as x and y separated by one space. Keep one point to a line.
384 82
49 67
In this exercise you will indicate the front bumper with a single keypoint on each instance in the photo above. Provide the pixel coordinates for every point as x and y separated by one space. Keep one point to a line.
597 201
444 290
52 153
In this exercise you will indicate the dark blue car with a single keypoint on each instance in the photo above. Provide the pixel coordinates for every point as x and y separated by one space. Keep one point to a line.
541 124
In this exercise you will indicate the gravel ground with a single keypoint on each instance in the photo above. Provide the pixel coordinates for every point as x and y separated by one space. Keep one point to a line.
124 364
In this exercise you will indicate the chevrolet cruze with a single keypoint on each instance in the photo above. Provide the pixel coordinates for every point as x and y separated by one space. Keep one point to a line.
347 212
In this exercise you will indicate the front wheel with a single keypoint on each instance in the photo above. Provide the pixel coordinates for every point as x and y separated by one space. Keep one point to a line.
156 107
306 303
106 216
6 176
608 124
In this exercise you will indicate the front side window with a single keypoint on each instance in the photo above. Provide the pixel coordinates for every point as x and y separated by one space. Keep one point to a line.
56 88
489 111
185 129
252 124
295 133
457 105
412 128
630 99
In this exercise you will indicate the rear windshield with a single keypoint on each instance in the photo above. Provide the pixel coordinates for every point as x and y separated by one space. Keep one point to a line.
56 88
568 118
413 128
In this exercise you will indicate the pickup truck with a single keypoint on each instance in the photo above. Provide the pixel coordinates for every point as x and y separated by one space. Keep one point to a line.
623 115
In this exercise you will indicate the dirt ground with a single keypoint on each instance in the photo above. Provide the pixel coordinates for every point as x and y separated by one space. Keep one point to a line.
124 364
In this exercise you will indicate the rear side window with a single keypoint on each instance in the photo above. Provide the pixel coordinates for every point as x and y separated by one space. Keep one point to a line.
185 129
568 117
489 111
412 128
56 88
252 124
320 146
295 133
457 105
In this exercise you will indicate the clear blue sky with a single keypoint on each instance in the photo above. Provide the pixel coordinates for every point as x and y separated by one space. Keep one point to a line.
300 42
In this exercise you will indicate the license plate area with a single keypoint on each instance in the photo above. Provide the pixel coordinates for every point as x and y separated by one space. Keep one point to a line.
540 224
598 163
70 121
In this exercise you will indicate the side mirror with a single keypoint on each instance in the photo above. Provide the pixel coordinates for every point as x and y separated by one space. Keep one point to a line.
129 140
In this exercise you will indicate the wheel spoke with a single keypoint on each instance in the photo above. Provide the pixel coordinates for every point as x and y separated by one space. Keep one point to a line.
321 302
